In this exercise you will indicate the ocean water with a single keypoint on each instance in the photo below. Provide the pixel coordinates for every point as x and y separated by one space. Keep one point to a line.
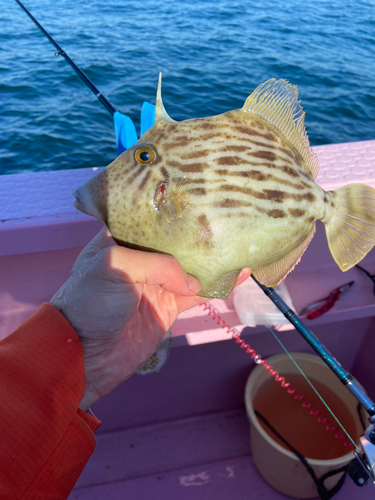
213 54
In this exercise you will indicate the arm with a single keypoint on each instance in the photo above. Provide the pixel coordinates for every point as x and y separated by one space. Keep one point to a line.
113 311
42 381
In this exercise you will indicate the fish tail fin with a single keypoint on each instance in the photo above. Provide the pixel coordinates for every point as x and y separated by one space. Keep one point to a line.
350 229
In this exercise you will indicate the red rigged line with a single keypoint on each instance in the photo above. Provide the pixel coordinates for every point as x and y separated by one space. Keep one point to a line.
274 373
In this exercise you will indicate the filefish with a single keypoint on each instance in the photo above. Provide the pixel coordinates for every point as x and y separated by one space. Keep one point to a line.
230 191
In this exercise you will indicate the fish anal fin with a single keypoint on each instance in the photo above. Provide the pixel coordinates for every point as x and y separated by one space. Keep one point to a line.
220 288
277 102
273 274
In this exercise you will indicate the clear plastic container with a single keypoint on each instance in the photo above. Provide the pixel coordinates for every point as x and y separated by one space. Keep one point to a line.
253 307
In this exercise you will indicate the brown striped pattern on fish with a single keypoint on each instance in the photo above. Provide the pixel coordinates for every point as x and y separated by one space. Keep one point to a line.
219 193
245 167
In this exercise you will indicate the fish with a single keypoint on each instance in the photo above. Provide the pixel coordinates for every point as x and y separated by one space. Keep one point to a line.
230 191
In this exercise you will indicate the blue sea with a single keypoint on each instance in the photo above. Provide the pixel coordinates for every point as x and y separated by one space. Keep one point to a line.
212 53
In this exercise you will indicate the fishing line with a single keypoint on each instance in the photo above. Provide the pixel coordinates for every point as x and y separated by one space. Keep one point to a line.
267 324
311 384
258 359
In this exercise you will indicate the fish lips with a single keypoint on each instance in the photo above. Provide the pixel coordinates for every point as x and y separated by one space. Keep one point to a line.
84 203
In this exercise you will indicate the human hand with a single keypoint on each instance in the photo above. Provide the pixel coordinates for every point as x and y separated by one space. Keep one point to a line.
121 302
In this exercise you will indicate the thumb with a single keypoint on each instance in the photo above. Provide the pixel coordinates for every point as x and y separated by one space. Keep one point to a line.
137 267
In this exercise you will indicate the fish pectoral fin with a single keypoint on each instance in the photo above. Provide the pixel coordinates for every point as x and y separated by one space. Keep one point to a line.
220 288
273 274
277 102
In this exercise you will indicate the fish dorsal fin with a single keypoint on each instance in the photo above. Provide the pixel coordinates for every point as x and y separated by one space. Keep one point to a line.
160 113
276 101
273 274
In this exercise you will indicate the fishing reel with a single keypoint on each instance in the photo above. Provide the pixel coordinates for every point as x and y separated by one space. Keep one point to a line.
362 468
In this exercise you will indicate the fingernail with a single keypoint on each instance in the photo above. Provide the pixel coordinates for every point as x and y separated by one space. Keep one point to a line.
194 284
245 270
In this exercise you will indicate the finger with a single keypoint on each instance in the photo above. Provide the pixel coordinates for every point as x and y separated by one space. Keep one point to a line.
244 274
185 303
102 240
152 269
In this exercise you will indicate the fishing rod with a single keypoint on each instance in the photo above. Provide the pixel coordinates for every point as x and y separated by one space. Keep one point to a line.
86 80
126 135
366 458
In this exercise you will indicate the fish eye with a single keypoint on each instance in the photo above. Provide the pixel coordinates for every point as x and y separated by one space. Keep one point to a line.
145 154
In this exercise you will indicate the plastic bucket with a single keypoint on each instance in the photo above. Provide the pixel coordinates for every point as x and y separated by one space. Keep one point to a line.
279 466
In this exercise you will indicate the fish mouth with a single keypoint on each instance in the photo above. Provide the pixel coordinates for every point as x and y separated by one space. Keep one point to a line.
84 203
78 203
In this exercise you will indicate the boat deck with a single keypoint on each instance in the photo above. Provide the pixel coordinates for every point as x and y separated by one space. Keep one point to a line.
183 433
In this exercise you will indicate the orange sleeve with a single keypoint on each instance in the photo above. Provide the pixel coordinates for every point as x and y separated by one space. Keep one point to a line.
45 439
